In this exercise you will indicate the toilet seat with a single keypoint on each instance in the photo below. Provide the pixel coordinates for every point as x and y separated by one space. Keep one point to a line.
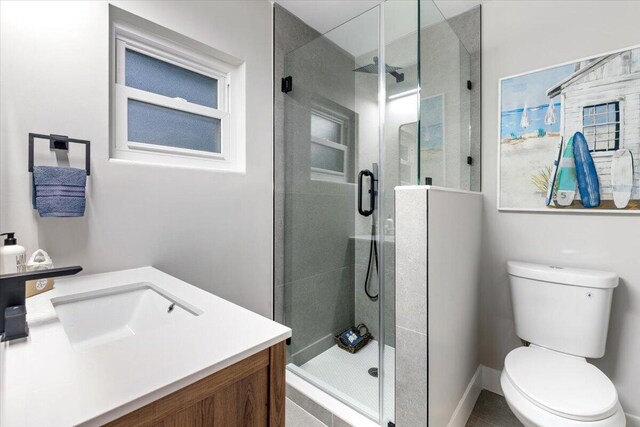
562 384
547 388
532 415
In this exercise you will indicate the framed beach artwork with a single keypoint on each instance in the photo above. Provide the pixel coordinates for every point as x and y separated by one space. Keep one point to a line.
570 137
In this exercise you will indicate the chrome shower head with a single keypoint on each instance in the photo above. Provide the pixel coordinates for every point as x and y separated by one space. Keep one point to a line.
373 69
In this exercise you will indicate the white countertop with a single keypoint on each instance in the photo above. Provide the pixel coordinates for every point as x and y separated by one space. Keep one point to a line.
44 381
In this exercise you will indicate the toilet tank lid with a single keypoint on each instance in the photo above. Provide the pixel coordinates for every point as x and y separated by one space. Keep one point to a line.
563 275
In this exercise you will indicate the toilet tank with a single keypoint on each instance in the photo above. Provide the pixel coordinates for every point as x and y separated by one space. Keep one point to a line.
563 309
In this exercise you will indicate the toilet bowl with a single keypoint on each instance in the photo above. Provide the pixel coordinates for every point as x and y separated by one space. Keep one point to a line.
564 314
547 388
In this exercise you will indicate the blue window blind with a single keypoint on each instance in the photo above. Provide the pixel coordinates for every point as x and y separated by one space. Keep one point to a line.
152 124
153 75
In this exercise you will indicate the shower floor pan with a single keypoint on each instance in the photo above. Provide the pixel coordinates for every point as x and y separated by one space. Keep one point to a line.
346 376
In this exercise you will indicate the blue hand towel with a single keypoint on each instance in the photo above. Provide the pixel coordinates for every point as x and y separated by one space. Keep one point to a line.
59 191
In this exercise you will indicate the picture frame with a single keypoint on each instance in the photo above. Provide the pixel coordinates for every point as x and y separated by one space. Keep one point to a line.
540 169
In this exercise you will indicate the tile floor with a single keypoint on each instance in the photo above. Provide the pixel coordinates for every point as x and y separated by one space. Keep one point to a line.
298 417
491 410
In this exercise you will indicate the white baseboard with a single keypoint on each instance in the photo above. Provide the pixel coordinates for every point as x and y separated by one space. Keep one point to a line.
491 380
633 420
467 402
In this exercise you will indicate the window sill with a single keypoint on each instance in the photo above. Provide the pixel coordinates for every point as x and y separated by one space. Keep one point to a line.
185 152
196 166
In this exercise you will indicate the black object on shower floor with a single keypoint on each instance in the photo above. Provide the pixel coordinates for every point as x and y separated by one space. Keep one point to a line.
353 338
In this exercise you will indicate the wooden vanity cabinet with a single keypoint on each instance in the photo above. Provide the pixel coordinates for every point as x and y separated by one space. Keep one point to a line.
248 393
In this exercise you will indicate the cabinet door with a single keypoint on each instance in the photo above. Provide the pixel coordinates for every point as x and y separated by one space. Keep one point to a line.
198 415
241 404
245 403
250 393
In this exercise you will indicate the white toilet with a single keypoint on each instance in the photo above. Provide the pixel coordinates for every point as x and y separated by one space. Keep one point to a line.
564 314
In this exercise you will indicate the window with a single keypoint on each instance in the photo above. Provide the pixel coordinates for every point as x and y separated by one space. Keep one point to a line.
601 126
171 104
328 148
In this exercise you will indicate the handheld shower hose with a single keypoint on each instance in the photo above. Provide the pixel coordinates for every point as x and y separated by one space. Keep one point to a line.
373 257
373 245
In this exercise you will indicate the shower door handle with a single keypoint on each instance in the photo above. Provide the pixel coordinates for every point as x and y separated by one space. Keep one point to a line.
372 192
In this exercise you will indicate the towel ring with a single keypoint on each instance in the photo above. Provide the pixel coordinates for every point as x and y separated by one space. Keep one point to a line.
60 142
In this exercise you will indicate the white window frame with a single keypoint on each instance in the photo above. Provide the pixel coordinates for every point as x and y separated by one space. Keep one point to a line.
327 174
127 37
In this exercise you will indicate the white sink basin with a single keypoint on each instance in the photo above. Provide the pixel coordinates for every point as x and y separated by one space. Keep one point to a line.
94 318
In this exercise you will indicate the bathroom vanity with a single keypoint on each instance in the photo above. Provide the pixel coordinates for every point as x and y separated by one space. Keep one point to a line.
140 347
249 393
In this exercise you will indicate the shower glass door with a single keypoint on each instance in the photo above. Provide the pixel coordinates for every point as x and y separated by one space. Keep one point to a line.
331 136
445 103
346 95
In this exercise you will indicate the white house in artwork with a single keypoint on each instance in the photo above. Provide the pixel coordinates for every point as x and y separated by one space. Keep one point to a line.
601 99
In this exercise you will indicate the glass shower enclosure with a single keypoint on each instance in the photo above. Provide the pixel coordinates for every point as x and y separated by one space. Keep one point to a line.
351 124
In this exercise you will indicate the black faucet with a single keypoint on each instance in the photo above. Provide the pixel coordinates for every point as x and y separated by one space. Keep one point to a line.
13 312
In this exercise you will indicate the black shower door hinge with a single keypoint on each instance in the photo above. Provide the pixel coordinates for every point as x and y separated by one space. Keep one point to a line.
469 160
287 84
469 84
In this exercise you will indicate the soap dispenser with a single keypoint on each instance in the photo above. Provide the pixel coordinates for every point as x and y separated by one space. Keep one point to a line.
12 255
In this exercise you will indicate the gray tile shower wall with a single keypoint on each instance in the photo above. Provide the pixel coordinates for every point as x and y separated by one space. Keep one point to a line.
366 310
317 234
316 306
411 308
314 261
289 34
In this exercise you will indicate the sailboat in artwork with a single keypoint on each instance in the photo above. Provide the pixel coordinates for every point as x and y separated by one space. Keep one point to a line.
524 121
550 117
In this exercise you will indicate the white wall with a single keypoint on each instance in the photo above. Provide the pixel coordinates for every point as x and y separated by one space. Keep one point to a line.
454 222
208 228
518 36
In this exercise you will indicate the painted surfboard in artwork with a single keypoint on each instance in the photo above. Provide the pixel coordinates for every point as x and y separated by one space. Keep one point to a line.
586 174
553 177
567 182
622 177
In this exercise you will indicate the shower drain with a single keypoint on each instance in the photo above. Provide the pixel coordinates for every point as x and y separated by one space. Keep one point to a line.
373 372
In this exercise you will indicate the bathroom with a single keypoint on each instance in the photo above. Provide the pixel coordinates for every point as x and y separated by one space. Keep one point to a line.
369 188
